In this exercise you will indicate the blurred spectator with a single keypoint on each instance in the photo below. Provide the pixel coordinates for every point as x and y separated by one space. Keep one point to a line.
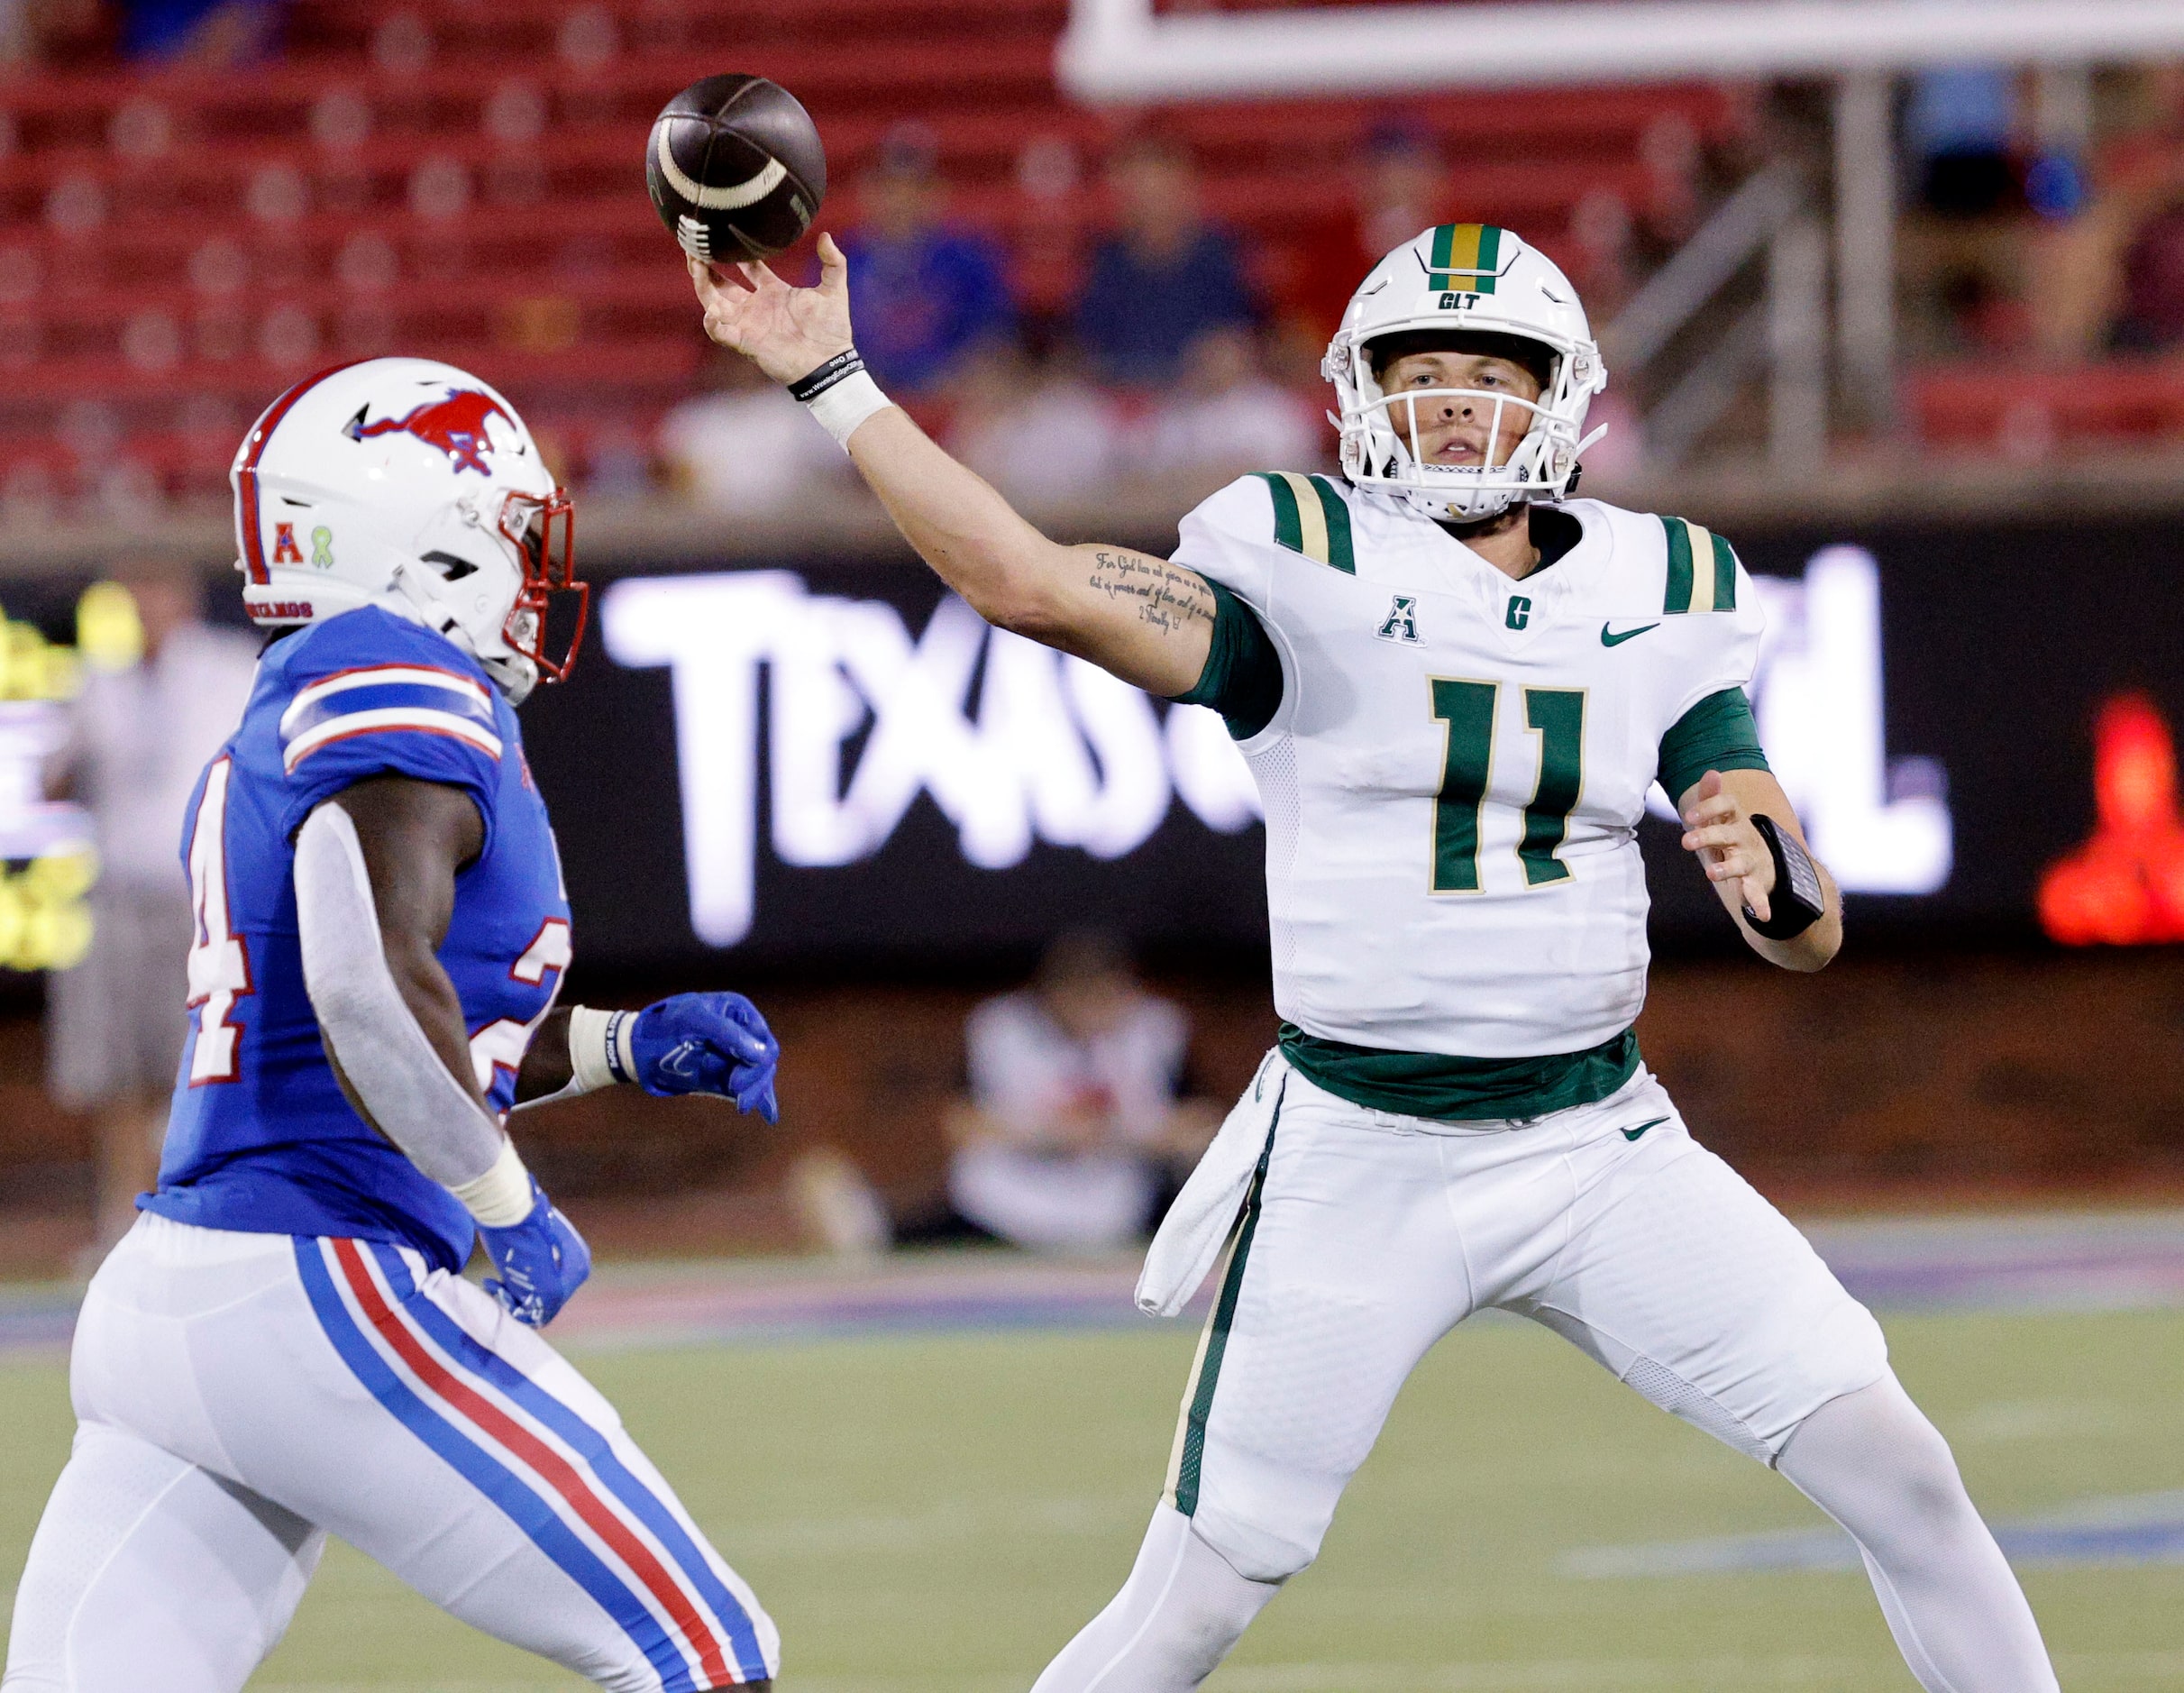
1400 188
1043 437
746 448
138 736
1165 278
1226 417
2151 318
210 32
1960 134
1072 1135
925 295
55 32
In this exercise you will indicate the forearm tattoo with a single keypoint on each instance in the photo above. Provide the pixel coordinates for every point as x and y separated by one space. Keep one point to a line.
1169 597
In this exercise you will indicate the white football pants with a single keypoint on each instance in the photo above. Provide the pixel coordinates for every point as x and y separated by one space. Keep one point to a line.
239 1396
1367 1236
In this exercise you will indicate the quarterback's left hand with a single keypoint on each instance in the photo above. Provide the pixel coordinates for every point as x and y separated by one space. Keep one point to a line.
1729 848
708 1043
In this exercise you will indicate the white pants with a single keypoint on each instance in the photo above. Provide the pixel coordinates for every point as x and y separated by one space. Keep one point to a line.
1367 1236
239 1396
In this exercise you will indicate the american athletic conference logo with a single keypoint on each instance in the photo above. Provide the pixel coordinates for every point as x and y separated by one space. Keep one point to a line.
455 425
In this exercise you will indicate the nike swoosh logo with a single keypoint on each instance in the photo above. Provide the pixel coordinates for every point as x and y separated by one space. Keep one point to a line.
1628 635
1633 1134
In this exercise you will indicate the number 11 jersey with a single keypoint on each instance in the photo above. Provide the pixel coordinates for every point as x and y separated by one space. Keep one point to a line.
1453 762
261 1138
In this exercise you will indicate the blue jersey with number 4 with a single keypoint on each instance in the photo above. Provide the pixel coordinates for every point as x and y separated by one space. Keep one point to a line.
261 1138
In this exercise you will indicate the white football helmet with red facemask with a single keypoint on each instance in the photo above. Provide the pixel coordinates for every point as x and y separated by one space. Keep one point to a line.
408 484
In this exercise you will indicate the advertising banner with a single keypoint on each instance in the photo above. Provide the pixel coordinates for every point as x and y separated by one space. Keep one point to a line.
827 758
822 760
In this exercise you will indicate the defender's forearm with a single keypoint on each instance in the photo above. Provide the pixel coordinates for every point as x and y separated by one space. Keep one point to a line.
547 1068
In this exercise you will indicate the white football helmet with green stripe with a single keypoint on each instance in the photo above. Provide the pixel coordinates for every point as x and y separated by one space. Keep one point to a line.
1465 278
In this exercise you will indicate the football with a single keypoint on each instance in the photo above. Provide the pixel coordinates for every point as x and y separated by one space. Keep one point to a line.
735 167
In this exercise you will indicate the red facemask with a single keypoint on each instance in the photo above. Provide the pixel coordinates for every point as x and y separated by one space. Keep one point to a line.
544 533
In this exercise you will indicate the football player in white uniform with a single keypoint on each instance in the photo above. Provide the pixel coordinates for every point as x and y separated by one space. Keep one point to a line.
1454 685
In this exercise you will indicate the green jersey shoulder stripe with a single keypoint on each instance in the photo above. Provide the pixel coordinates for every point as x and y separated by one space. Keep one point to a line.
1312 518
1701 569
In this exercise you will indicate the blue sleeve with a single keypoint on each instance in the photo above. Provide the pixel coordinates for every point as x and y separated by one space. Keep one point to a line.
1102 309
370 695
987 309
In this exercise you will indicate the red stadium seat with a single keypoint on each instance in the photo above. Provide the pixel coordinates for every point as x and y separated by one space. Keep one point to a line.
462 179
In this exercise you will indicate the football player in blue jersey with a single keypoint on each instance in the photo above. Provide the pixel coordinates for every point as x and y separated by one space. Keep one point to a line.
283 1347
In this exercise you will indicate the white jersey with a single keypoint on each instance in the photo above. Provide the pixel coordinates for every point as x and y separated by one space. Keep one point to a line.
1454 775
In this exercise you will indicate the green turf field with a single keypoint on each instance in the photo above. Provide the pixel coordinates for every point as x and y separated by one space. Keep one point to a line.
929 1513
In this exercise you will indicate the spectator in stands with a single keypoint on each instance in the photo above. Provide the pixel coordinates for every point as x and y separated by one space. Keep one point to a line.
1041 435
55 32
1401 186
2151 318
139 736
1960 135
1964 250
1165 278
926 295
1226 417
208 32
1073 1134
746 449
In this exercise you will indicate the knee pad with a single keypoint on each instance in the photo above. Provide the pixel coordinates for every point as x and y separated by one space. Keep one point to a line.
1257 1551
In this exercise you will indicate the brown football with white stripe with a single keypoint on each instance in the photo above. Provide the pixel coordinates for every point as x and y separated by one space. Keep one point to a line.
734 168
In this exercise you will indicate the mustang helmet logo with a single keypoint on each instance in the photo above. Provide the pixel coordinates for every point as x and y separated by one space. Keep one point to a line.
456 425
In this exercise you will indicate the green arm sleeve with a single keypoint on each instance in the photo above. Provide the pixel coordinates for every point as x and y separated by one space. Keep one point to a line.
1716 734
1242 678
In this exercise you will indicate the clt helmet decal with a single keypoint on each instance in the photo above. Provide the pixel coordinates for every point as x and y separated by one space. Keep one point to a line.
1464 279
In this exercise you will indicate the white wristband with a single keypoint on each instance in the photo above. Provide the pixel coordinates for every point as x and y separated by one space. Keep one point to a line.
599 1054
501 1198
840 394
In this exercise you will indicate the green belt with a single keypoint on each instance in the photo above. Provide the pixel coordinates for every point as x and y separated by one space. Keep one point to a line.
1451 1089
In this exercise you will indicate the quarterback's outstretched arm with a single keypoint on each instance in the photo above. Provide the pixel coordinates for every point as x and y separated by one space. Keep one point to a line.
1718 812
1146 620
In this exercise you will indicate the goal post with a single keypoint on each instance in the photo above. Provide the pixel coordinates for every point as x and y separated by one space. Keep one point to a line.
1122 51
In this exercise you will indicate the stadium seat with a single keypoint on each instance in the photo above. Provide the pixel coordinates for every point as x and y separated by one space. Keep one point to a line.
462 180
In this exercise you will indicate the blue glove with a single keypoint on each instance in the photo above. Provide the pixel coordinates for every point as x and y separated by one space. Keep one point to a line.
542 1260
708 1043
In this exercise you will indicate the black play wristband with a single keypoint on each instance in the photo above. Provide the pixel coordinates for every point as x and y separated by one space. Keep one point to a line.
814 383
1797 900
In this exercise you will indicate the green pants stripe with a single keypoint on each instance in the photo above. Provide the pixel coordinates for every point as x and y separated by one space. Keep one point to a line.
1198 1397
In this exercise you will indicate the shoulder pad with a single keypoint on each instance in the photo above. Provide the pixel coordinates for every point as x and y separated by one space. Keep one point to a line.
1701 569
1311 517
371 634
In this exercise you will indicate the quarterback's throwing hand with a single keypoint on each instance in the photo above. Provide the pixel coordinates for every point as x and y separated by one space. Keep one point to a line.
542 1260
1729 847
708 1043
787 332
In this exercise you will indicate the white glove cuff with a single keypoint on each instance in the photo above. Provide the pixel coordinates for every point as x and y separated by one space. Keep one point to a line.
841 395
501 1198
